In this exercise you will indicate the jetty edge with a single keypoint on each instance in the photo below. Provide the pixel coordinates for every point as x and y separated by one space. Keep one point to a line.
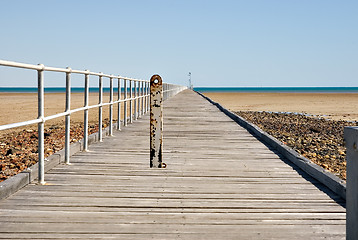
322 175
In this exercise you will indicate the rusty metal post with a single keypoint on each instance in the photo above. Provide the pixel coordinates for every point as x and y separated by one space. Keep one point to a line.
156 122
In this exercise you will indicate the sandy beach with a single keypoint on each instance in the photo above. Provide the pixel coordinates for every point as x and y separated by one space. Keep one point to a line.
18 107
335 106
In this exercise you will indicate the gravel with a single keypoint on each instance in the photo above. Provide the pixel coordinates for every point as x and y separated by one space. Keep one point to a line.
318 139
18 149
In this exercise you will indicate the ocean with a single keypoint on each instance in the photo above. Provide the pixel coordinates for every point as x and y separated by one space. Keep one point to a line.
279 89
199 89
50 89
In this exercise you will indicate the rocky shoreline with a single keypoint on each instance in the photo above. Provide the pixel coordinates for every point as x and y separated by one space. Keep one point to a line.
18 149
317 139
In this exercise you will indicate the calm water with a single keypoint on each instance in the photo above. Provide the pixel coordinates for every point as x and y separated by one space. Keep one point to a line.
50 90
199 89
279 89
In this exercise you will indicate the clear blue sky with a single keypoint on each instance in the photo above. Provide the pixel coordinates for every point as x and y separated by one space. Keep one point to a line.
223 43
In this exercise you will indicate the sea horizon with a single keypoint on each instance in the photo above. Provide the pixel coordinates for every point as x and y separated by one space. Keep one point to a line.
198 89
279 89
52 89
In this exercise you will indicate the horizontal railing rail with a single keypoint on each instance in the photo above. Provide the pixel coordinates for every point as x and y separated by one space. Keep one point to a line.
133 93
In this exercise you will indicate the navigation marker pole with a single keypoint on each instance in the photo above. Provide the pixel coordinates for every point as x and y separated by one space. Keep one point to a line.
156 122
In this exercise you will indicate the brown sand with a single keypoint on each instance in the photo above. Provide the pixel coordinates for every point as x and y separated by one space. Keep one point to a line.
18 107
335 106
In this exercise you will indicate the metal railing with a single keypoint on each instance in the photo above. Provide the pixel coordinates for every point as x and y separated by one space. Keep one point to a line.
133 93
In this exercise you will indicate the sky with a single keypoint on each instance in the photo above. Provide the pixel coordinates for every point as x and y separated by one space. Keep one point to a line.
222 43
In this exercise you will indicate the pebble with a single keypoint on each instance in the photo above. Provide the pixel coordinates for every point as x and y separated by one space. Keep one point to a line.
318 139
18 149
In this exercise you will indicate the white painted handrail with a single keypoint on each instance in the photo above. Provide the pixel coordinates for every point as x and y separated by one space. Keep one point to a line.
137 97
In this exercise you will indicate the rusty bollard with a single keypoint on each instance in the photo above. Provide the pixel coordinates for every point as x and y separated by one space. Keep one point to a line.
156 122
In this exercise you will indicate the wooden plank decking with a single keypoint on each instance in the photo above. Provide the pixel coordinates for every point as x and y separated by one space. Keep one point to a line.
220 183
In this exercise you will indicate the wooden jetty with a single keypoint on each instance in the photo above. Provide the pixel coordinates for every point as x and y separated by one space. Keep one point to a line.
220 183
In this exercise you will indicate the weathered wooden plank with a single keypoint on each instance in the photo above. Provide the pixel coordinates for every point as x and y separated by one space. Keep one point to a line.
145 236
203 236
171 195
125 217
154 228
175 210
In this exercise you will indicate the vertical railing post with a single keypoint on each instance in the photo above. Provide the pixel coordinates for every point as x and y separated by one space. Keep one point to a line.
156 122
143 94
139 99
41 127
145 97
351 139
100 109
148 96
111 106
166 91
68 116
130 102
170 91
135 101
142 100
125 104
85 128
119 105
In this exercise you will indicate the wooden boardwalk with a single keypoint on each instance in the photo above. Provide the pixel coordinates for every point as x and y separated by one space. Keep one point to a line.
220 183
